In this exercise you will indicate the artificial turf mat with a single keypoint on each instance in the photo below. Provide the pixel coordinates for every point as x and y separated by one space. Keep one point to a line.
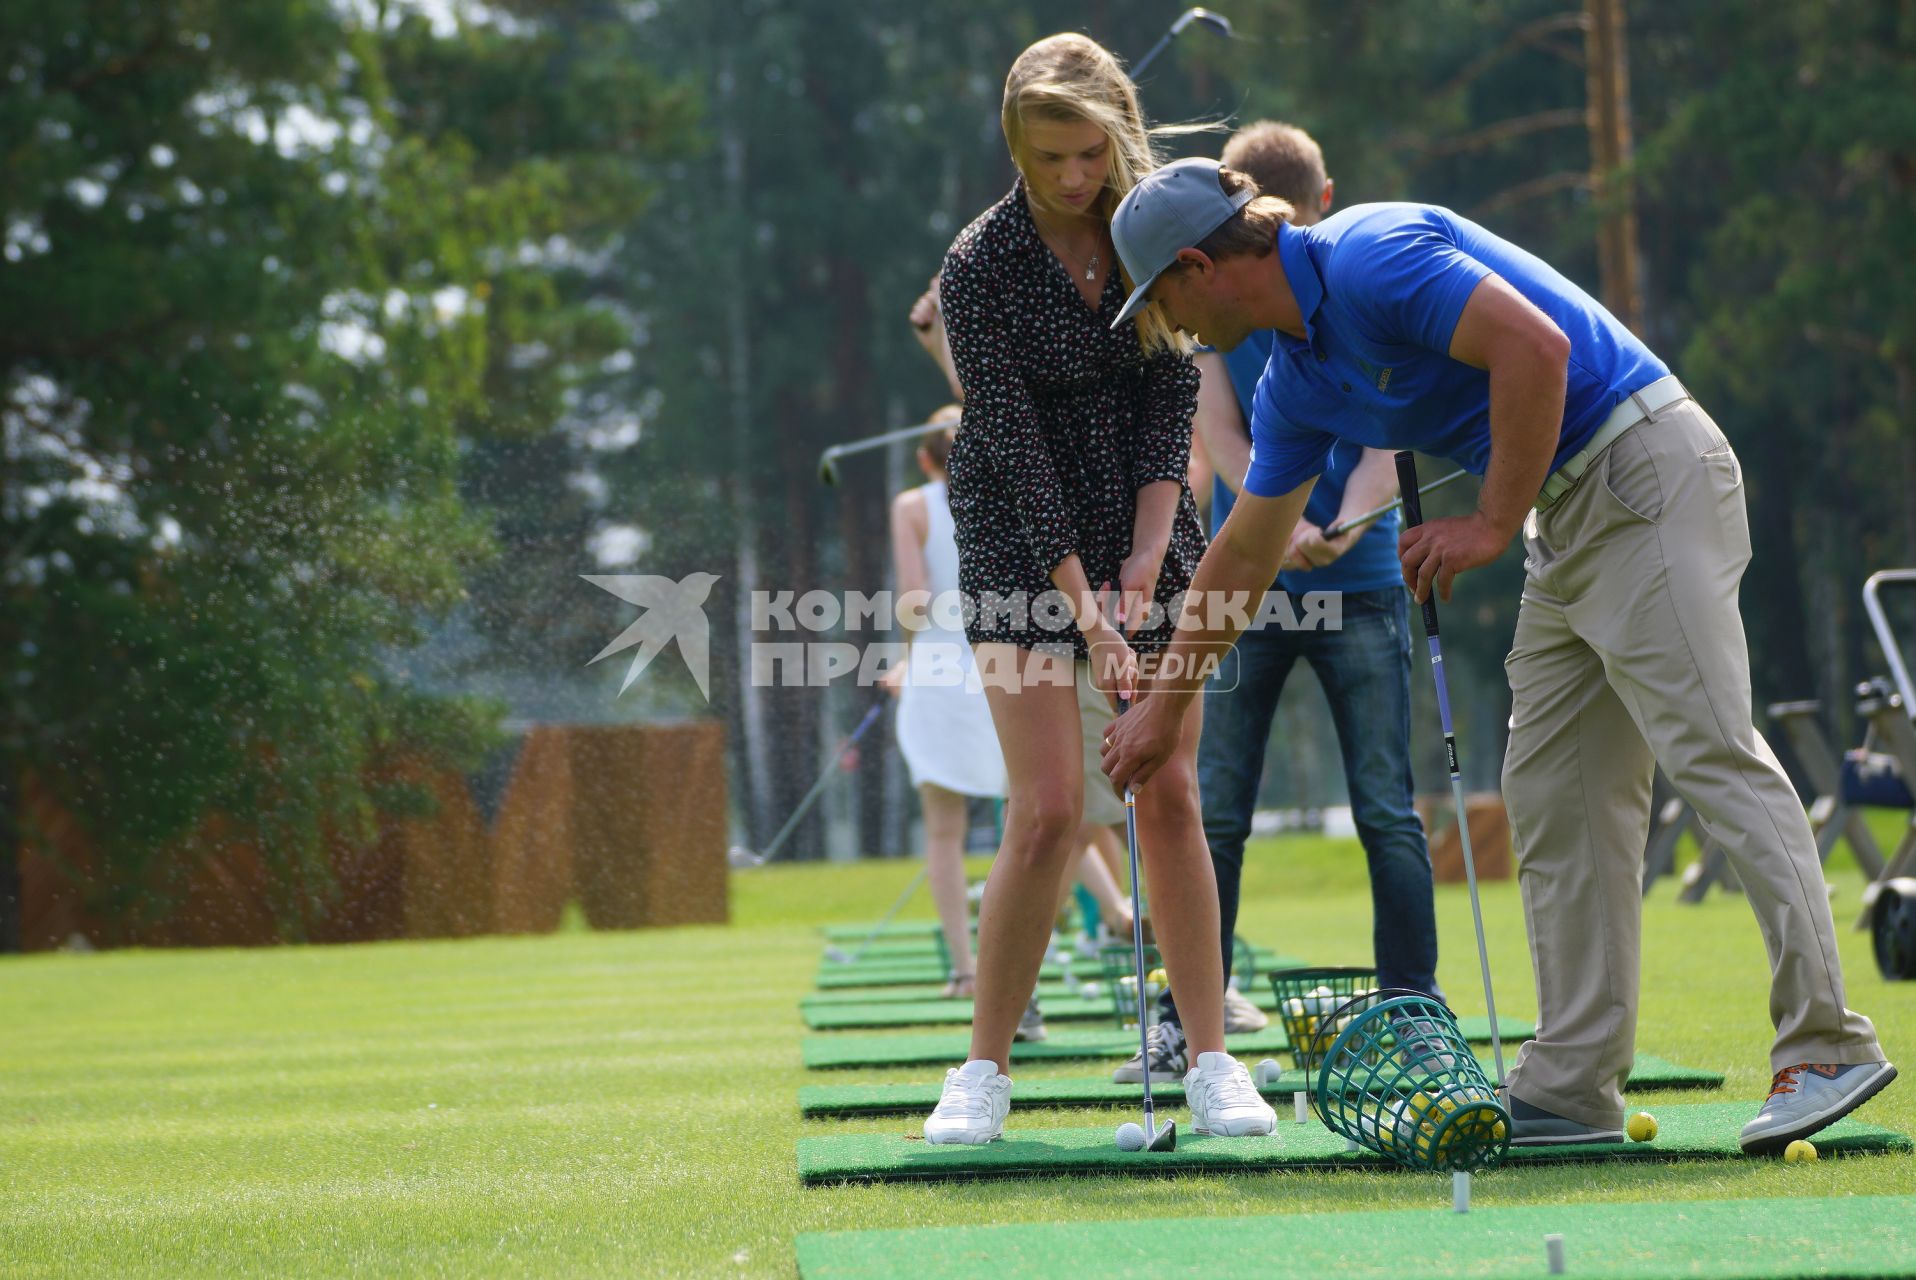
1698 1130
938 1012
905 970
1716 1239
835 1051
907 994
897 929
819 1101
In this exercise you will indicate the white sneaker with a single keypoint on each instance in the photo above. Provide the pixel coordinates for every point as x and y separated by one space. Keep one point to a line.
1224 1101
973 1107
1240 1015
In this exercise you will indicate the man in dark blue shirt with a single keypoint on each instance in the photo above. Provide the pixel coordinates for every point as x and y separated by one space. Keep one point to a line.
1405 326
1361 656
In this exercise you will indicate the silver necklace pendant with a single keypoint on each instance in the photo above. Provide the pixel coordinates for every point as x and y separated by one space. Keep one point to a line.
1091 268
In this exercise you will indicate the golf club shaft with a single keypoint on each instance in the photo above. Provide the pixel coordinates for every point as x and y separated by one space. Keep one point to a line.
1414 516
1345 526
831 455
1216 21
818 788
891 915
1137 946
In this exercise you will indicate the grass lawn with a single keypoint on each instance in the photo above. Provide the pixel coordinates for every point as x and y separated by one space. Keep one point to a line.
625 1103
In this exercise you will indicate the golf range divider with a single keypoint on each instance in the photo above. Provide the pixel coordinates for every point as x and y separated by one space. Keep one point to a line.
1687 1131
1708 1239
825 1101
838 1050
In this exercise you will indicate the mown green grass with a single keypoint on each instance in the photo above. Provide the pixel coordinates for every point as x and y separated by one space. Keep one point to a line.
624 1104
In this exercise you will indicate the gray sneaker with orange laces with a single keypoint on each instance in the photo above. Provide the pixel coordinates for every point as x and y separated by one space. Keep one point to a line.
1811 1096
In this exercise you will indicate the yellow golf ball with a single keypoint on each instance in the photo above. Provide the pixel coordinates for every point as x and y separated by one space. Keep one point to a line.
1157 976
1799 1151
1642 1127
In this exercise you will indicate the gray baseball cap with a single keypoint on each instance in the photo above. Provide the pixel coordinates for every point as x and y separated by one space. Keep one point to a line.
1172 208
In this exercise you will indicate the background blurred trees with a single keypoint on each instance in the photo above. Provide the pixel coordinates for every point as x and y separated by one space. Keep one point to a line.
340 337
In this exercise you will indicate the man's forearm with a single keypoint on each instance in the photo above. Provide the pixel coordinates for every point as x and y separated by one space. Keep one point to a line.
1228 588
1373 483
1526 422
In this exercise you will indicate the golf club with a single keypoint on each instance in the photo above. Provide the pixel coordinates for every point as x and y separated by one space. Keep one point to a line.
828 460
1215 21
1345 526
1150 1138
839 956
740 856
1414 516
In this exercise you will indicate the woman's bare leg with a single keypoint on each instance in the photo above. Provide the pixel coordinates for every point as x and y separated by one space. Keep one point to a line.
944 814
1183 890
1034 704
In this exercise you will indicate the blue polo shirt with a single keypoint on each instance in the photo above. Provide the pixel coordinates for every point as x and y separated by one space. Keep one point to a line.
1380 287
1371 564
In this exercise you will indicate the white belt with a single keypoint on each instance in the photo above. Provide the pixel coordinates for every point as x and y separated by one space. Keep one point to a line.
1634 408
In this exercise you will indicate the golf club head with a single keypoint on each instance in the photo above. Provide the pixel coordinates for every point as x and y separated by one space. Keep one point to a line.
739 856
838 955
1166 1138
828 468
1215 21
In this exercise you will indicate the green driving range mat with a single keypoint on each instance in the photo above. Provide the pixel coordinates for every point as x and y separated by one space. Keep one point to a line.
1713 1239
949 1048
827 1100
897 971
897 929
841 1016
1702 1130
915 992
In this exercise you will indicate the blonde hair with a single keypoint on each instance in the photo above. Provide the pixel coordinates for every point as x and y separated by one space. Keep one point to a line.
1071 77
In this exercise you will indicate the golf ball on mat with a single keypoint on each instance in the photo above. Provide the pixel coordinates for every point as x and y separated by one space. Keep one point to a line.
1130 1136
1799 1151
1642 1127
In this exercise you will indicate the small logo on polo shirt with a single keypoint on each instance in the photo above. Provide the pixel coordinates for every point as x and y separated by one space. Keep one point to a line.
1383 380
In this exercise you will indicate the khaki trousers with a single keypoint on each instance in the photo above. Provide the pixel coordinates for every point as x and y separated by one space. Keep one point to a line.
1630 652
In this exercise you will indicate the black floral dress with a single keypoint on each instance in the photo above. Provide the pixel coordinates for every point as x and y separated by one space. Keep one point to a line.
1065 420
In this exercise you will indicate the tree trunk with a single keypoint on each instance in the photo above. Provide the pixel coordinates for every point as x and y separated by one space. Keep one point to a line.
755 768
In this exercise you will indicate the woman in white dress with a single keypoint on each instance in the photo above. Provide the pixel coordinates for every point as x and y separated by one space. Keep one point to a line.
944 726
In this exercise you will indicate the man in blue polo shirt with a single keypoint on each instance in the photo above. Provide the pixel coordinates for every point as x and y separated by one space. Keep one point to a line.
1362 664
1406 326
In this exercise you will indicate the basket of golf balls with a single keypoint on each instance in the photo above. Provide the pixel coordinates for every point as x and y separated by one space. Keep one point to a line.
1119 964
1400 1079
1306 998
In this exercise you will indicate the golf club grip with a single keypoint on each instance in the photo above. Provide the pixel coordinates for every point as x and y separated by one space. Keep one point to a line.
1414 516
1407 487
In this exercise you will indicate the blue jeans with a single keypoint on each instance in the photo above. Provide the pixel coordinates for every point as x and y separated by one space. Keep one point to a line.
1365 672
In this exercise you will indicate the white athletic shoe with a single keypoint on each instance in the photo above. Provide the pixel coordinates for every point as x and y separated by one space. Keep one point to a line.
1240 1015
1224 1101
973 1107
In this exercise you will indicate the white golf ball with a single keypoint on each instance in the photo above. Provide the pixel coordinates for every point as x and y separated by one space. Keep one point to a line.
1130 1136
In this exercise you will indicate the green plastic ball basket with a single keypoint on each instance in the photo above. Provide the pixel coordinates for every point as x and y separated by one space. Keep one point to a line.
1306 999
1401 1080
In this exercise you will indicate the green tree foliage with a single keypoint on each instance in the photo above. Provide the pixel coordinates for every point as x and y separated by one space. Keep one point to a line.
263 279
